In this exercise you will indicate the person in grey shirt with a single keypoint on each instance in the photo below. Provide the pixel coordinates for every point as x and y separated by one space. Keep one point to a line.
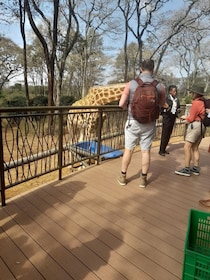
138 132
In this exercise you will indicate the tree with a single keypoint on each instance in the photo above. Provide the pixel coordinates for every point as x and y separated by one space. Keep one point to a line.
72 35
132 63
10 61
22 12
156 32
142 13
176 24
58 41
14 10
205 65
66 42
188 45
37 70
49 49
126 9
95 17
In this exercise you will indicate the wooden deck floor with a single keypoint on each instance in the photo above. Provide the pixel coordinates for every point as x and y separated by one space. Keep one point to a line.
88 227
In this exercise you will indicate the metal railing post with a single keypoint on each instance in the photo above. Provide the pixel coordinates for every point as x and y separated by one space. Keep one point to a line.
100 123
2 179
60 150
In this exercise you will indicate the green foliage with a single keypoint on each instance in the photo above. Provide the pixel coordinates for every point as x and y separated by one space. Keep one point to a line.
17 87
188 99
38 90
67 100
11 59
39 101
15 90
133 63
17 101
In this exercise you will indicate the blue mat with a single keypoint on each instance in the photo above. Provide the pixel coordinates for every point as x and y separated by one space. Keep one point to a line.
92 146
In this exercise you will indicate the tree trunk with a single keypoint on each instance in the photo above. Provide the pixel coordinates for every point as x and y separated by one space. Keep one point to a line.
22 30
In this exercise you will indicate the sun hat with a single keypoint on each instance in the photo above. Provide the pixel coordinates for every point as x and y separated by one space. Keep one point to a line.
197 89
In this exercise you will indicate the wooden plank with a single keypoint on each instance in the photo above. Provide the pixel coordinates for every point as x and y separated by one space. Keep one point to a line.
88 227
13 256
80 237
92 217
5 271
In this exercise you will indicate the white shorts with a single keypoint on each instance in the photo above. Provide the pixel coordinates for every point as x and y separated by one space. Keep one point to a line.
139 133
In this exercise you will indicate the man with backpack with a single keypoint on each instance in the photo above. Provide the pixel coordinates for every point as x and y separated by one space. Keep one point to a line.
143 97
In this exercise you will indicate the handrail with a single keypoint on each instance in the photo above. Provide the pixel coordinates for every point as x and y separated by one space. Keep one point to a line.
38 140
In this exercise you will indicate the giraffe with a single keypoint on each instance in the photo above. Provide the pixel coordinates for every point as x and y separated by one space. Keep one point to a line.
101 95
84 125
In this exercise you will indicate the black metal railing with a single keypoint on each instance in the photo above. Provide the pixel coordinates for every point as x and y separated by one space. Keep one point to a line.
35 141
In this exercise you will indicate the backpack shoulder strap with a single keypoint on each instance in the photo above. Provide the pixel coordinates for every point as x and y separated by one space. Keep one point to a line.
207 103
139 81
154 83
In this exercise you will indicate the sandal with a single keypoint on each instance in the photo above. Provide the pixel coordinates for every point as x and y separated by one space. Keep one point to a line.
205 203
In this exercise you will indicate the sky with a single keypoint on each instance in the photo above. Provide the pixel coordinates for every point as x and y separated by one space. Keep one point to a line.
12 31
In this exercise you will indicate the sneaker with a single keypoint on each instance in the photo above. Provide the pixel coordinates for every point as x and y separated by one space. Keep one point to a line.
143 182
122 180
195 170
162 154
184 172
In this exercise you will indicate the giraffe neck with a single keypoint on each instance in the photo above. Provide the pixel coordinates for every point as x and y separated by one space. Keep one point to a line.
101 95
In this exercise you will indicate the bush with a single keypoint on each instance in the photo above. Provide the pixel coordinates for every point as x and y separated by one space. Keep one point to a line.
188 100
17 101
39 101
67 100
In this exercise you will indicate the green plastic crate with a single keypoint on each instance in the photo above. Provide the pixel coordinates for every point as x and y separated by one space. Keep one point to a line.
197 247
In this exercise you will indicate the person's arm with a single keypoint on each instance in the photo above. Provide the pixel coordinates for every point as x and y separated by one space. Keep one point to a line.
123 103
193 113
